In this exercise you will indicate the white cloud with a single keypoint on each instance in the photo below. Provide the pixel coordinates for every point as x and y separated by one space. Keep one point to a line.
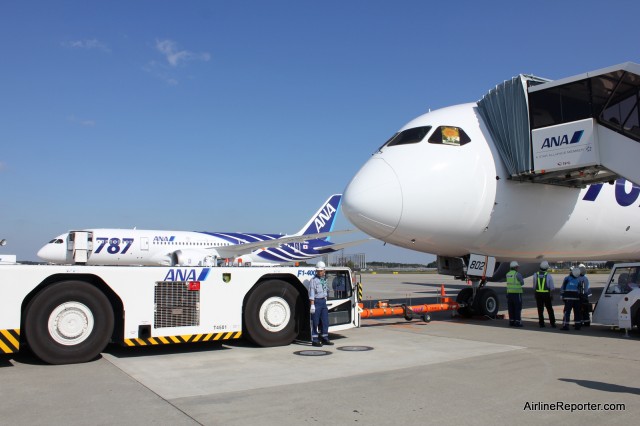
83 122
86 44
174 56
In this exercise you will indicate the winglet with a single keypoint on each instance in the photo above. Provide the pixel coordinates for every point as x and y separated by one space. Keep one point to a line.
324 218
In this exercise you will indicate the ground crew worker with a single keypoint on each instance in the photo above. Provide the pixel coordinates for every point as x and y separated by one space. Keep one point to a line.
586 306
543 286
318 293
339 286
514 295
571 294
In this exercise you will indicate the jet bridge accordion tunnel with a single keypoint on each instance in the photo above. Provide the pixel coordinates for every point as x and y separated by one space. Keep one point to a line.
574 132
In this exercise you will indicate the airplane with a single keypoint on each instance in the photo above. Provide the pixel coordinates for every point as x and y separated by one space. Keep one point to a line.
441 186
184 248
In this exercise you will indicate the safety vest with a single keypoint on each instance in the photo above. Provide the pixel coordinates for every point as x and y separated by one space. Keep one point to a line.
513 285
542 283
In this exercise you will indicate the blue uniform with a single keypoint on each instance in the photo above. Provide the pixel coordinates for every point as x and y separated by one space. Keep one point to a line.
318 292
586 306
571 291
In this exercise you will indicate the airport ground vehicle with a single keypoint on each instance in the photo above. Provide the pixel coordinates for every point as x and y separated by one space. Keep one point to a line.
619 303
68 313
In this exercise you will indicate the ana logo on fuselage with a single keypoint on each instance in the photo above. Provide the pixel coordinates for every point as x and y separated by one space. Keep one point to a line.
562 140
163 239
324 216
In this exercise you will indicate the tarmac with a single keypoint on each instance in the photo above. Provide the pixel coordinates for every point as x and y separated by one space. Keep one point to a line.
451 370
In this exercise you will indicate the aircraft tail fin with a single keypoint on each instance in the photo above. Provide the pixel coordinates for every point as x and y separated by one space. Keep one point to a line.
324 218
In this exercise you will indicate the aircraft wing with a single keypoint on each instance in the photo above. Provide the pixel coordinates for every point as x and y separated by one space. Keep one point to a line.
244 248
339 246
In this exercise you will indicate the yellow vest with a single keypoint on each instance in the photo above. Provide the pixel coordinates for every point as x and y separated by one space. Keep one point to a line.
513 285
542 283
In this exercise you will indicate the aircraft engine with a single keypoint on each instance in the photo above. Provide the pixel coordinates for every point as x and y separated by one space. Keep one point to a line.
193 258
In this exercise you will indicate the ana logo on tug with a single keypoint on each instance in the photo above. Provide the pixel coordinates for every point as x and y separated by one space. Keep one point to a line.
186 274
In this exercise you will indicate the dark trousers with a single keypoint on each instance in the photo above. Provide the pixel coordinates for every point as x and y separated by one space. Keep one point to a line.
514 304
576 306
320 320
543 300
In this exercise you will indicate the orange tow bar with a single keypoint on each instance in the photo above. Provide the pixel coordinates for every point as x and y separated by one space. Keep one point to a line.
383 309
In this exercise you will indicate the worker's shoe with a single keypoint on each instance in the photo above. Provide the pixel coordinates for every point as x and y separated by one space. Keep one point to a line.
565 328
553 325
316 343
327 342
541 325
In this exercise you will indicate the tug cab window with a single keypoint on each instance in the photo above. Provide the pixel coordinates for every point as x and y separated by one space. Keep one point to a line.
624 280
339 285
449 135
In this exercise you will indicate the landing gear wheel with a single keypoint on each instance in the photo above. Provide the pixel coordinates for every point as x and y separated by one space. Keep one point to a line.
68 322
486 302
270 314
465 296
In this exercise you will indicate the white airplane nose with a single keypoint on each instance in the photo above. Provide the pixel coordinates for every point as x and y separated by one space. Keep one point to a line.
43 253
49 253
372 200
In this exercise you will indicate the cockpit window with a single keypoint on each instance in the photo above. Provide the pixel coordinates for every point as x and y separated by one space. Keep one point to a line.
55 241
449 135
408 136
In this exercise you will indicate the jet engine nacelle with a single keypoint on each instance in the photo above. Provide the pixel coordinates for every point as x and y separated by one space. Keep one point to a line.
193 258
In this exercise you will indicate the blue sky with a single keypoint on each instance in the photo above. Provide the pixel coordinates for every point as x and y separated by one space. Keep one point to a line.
246 115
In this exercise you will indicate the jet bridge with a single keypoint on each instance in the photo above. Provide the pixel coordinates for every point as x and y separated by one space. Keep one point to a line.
572 132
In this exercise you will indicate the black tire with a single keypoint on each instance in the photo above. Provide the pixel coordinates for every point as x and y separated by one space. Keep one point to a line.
68 322
487 303
270 314
465 296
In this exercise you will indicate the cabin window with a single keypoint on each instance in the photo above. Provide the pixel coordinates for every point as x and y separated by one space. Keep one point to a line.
449 135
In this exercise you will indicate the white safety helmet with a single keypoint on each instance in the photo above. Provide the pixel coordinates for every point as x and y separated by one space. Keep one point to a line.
575 272
513 264
583 269
544 265
320 266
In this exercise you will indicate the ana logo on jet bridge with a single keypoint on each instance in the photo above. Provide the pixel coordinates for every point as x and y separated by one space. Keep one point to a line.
554 142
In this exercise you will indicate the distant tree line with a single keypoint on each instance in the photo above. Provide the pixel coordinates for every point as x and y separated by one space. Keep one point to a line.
391 265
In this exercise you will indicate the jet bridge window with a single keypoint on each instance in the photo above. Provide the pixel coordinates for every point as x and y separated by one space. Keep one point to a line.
408 136
449 135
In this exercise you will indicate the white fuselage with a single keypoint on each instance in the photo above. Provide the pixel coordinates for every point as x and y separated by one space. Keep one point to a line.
162 247
454 200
